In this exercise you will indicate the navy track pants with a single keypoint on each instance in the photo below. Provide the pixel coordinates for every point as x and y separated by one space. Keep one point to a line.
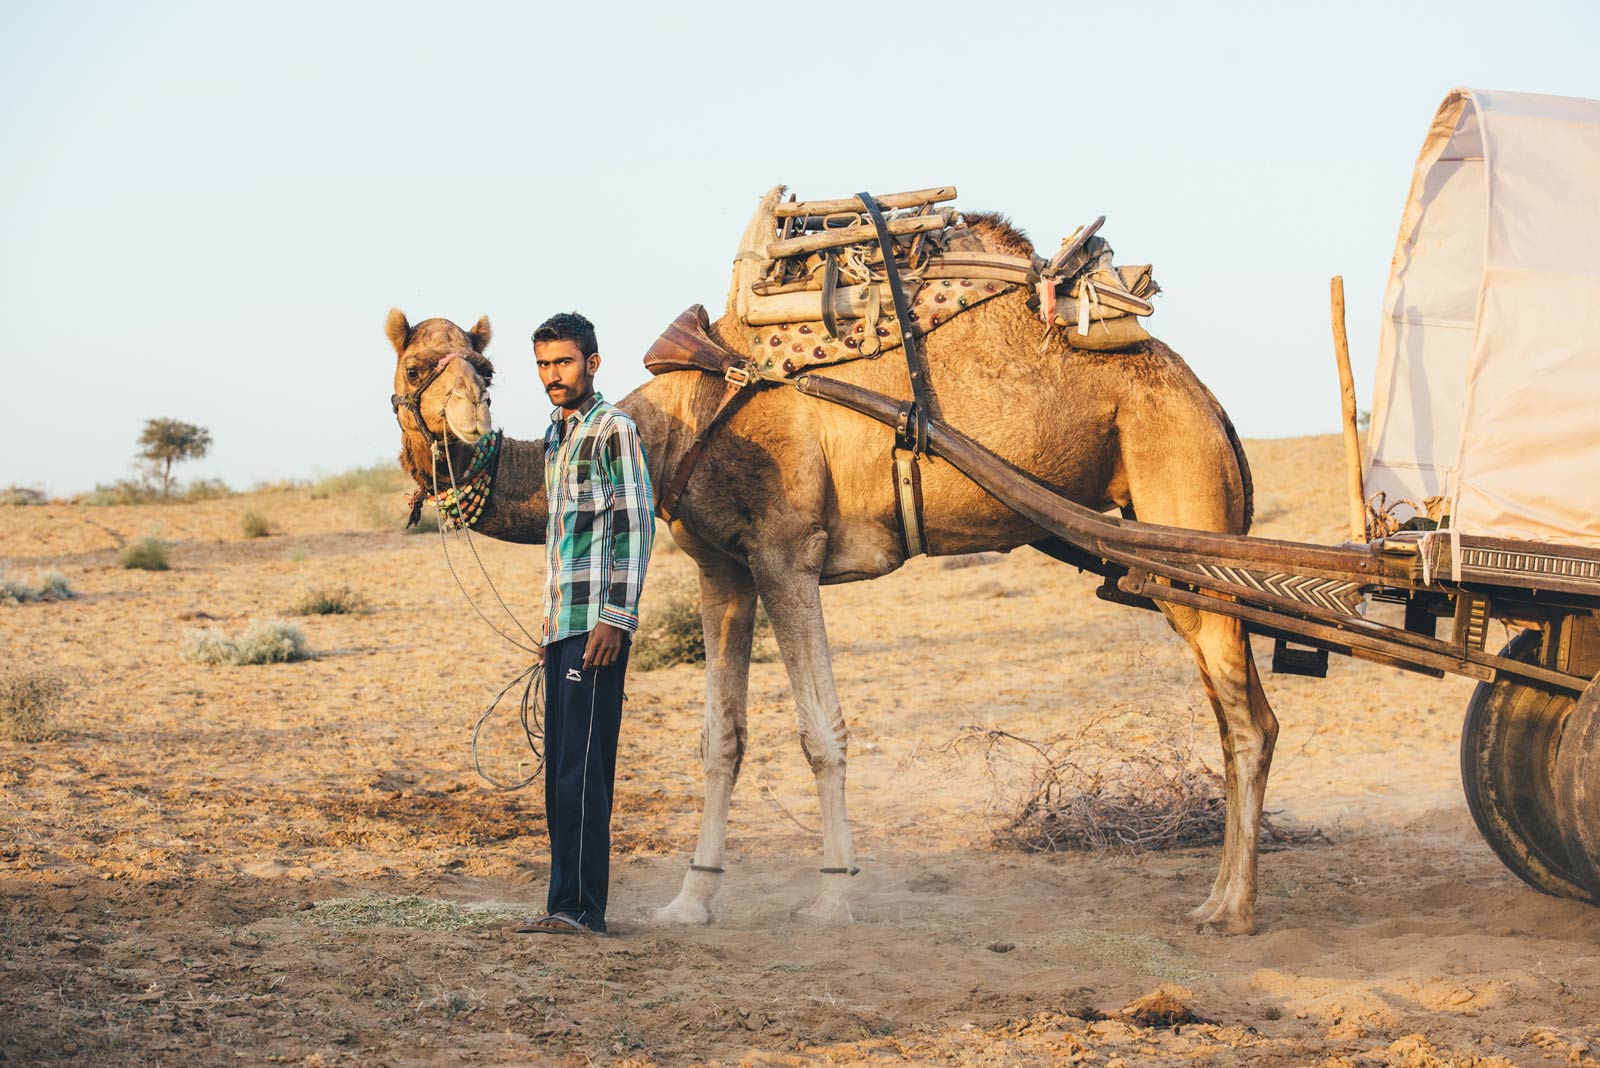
582 718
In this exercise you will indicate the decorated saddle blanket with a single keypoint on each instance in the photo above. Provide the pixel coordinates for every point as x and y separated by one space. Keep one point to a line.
810 286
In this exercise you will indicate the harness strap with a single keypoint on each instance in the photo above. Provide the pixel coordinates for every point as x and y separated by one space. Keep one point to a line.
738 377
908 502
915 435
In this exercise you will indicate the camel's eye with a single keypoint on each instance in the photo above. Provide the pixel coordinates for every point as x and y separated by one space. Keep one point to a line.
411 373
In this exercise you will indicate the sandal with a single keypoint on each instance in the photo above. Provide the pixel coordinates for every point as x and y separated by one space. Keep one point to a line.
557 923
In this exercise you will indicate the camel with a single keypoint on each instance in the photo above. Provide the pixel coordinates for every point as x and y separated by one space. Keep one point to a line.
792 492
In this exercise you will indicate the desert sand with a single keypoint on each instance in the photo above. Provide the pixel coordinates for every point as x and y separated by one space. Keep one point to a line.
183 869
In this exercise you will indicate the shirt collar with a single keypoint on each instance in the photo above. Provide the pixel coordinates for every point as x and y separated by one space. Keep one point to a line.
557 416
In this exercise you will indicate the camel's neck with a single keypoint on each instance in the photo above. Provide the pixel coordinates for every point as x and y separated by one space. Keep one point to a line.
517 508
667 410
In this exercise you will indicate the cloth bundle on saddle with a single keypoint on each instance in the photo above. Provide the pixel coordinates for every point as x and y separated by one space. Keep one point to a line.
810 286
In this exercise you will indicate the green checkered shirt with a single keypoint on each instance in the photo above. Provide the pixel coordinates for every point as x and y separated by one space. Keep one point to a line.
602 520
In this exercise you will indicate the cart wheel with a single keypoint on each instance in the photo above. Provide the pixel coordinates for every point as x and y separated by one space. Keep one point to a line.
1578 788
1508 756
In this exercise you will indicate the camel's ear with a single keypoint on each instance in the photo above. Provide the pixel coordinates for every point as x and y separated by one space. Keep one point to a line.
398 329
480 334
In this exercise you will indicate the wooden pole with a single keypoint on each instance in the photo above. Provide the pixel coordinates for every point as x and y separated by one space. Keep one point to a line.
853 204
1347 396
856 235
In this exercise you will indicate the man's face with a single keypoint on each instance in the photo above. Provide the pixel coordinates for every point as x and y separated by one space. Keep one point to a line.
567 375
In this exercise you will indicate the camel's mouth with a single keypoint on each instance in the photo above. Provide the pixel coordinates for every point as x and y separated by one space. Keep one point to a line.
467 420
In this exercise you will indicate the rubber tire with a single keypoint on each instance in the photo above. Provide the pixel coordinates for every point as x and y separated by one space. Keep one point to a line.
1578 788
1509 742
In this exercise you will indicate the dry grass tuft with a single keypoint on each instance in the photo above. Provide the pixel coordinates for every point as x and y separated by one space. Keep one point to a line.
264 642
50 586
255 525
327 601
29 701
1103 791
146 554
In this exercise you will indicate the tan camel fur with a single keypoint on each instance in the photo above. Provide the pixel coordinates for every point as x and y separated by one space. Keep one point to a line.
793 492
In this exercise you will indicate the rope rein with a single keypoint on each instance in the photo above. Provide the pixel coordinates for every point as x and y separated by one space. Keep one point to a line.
461 511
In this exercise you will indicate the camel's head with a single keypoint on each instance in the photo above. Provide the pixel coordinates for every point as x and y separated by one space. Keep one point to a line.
442 377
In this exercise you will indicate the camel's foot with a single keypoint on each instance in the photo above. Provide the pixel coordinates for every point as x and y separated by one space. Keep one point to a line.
1204 911
1223 920
828 908
693 903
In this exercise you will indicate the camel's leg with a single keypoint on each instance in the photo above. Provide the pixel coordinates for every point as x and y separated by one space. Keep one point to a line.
727 614
791 591
1249 731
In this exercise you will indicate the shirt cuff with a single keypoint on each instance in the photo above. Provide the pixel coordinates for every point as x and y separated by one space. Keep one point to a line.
621 618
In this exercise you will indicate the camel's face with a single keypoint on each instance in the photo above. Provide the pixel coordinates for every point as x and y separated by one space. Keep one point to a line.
456 402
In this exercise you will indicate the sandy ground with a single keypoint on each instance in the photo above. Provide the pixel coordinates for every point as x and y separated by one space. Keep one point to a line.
169 865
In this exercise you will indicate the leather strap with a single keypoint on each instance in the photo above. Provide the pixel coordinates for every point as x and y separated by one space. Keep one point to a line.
915 434
732 397
830 285
687 345
908 502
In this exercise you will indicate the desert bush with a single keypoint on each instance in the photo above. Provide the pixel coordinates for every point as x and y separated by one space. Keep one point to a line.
50 586
47 586
123 491
669 624
327 601
146 554
22 496
255 525
379 478
206 489
269 641
29 701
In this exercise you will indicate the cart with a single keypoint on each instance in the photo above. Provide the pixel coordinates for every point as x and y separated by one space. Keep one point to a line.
1483 423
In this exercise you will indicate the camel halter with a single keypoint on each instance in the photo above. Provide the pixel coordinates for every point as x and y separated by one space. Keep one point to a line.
412 401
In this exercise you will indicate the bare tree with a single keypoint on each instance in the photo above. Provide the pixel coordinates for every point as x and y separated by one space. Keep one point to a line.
166 441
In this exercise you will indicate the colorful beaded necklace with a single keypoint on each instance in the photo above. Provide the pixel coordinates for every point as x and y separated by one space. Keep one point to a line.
461 505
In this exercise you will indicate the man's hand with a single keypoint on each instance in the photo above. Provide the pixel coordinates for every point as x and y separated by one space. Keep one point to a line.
605 642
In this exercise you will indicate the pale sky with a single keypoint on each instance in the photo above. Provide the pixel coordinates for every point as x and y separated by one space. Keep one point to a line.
209 208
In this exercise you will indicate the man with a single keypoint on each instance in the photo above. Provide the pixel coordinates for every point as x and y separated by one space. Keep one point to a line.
597 546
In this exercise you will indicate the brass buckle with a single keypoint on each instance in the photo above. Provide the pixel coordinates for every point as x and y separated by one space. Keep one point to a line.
739 374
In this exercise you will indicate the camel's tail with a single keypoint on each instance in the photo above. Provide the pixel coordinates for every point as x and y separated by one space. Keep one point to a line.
1238 454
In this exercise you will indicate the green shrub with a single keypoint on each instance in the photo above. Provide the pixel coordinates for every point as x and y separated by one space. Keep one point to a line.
51 586
146 554
29 701
255 525
327 601
270 641
669 624
379 478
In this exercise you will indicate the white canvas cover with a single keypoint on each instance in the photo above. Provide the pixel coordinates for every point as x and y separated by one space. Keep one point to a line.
1489 357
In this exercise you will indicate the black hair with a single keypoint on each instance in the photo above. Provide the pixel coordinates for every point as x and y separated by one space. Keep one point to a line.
568 326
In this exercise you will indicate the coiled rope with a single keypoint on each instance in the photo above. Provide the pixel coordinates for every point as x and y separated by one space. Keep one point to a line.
531 705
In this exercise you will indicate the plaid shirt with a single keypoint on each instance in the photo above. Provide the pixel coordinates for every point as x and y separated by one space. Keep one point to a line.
602 520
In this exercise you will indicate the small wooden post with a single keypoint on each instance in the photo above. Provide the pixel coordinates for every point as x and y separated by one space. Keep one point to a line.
1347 395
